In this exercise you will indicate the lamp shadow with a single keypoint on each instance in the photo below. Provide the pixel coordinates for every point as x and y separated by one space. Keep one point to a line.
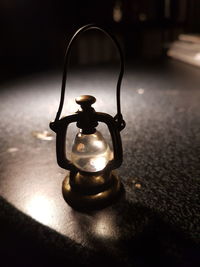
134 235
123 234
26 242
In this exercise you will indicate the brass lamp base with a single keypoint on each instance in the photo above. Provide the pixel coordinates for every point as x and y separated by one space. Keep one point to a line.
90 192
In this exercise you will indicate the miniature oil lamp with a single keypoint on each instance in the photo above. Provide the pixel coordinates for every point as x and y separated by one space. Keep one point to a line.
91 182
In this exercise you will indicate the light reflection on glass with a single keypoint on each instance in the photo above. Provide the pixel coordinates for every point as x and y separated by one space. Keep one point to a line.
98 144
81 147
98 163
90 152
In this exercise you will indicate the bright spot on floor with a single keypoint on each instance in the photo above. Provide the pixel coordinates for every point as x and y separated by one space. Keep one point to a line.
140 91
12 149
138 186
43 135
40 208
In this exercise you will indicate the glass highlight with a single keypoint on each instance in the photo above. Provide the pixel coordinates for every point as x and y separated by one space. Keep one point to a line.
90 152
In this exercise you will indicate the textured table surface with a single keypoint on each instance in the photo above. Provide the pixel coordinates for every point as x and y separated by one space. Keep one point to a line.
157 222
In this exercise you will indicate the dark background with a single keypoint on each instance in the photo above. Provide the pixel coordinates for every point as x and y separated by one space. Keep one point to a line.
34 34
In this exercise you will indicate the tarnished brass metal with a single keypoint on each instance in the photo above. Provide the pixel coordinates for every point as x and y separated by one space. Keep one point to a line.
85 100
89 199
89 182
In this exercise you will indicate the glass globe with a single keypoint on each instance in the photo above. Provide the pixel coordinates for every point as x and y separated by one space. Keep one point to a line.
90 152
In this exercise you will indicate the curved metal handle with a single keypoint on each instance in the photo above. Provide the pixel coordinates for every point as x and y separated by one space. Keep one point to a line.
118 117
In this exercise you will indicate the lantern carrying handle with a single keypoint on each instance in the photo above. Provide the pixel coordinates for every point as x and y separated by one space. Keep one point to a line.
118 117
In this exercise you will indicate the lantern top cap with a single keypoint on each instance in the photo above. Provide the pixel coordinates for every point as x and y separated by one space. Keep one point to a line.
85 100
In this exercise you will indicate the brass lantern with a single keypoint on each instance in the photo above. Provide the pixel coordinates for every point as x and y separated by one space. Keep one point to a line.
91 182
